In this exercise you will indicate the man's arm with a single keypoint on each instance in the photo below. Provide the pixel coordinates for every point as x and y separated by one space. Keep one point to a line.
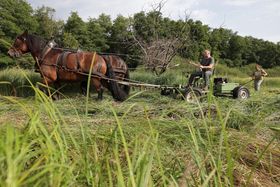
210 66
207 67
194 64
264 73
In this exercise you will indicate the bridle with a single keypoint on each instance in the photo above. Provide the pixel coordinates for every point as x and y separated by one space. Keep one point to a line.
17 51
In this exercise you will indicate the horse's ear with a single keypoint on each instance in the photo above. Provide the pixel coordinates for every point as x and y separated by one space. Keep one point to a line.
25 32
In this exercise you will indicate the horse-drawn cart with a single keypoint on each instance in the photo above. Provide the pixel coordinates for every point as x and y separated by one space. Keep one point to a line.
58 65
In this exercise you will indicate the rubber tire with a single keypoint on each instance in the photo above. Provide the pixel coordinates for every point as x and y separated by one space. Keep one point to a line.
241 92
166 91
189 97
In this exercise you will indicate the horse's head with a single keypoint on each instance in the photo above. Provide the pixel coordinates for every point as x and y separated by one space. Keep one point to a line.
20 45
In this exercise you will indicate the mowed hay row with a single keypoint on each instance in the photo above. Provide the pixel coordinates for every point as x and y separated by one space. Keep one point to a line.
257 161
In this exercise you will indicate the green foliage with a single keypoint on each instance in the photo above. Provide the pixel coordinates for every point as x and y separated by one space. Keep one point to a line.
48 26
13 82
104 35
15 17
120 34
5 61
106 23
69 41
77 27
96 36
168 78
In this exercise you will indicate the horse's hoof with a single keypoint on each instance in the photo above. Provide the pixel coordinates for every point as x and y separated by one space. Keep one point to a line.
55 97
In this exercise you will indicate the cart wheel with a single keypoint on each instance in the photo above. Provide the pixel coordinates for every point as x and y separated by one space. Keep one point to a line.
166 91
192 95
241 92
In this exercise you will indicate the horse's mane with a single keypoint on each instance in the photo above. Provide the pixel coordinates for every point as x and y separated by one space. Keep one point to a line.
36 42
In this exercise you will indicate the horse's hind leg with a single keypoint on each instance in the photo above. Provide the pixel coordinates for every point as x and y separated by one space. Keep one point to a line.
100 93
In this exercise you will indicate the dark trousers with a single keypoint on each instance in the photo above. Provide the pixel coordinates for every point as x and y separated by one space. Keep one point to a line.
204 74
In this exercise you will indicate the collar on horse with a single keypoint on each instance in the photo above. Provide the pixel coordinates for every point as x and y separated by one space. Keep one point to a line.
43 54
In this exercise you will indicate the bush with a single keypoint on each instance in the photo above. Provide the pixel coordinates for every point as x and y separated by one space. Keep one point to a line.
6 61
167 78
13 82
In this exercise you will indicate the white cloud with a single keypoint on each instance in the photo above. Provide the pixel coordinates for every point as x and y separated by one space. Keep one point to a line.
241 2
273 7
257 18
204 15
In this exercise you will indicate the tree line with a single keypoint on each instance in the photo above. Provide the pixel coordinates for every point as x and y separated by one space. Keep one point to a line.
123 35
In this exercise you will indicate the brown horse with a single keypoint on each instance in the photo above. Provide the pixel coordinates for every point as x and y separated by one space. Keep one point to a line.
120 70
57 65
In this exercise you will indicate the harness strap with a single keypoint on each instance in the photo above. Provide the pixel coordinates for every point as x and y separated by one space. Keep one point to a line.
64 59
45 51
78 62
61 63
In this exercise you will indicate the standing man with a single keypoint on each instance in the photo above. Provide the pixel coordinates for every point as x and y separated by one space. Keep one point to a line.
258 77
206 67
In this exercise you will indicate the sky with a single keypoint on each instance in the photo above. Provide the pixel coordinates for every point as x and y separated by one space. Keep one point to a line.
257 18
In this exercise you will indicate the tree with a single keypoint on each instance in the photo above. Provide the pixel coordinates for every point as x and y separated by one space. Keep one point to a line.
219 42
199 39
235 50
69 41
106 24
120 34
77 27
97 36
48 26
157 39
15 17
268 55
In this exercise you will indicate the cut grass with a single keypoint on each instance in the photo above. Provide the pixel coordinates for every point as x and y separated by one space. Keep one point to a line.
148 140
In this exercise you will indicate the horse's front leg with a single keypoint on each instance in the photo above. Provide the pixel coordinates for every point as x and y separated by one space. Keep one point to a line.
56 94
45 89
98 86
49 76
100 93
83 87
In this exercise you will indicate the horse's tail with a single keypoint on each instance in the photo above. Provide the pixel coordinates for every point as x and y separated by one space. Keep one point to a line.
118 93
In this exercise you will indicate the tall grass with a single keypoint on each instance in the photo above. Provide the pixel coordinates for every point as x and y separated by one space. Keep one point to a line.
47 153
148 140
13 82
141 146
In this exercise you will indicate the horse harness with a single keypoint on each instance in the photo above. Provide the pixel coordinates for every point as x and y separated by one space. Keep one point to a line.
109 59
61 62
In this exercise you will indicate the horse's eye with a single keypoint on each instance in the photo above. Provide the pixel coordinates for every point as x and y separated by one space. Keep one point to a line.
21 38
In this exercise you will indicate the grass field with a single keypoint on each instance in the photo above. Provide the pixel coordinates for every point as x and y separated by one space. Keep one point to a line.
148 140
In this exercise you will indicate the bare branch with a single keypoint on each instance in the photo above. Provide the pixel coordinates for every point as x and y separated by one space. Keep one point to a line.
158 50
